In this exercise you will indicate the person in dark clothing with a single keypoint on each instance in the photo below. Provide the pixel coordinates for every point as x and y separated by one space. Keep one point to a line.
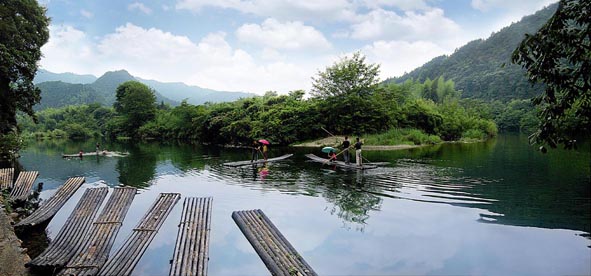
256 148
346 144
358 157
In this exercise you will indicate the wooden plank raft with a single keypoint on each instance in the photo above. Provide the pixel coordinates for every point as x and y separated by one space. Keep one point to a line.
53 204
74 232
259 161
276 252
22 186
340 164
127 257
6 178
95 251
191 252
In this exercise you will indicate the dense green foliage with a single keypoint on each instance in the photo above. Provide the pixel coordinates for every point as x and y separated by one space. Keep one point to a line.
559 55
482 69
23 30
135 105
399 112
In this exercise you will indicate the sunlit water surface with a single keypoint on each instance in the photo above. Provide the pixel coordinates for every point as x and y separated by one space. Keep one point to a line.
494 208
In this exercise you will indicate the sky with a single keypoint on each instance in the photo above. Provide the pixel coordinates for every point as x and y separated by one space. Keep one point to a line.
263 45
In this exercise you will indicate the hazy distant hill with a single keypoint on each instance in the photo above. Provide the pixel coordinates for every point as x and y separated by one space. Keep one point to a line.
102 90
483 68
44 75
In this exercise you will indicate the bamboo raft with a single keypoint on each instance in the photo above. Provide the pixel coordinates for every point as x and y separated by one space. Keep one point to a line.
95 251
94 153
74 232
127 257
340 164
6 178
259 161
272 247
191 251
23 185
53 204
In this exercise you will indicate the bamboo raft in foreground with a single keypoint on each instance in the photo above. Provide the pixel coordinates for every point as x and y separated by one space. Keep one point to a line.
99 153
53 204
191 252
23 185
6 178
340 164
95 251
74 232
127 257
276 252
259 161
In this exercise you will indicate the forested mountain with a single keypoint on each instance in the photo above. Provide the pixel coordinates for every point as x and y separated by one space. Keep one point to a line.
44 75
482 68
71 89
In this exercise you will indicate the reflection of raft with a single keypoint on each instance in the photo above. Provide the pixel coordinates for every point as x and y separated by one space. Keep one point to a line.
260 161
339 163
100 153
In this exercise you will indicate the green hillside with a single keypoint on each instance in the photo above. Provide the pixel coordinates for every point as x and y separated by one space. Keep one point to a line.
482 68
58 94
44 75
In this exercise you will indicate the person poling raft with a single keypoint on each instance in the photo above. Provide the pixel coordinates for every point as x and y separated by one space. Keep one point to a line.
260 146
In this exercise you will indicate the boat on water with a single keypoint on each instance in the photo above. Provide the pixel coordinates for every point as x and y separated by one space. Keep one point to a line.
340 164
259 161
94 153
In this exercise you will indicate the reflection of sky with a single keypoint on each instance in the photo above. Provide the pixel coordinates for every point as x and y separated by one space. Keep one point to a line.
404 232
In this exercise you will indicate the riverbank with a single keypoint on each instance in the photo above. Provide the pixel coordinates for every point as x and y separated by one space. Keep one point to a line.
12 255
335 141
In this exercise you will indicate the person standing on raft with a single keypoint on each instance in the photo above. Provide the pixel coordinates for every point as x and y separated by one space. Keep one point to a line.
346 144
256 148
358 145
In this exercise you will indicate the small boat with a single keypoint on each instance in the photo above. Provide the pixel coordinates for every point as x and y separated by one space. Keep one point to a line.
260 161
94 153
340 164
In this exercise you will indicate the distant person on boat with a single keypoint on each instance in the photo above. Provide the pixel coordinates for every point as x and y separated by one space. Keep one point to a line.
256 148
81 153
346 144
358 145
332 156
265 150
98 147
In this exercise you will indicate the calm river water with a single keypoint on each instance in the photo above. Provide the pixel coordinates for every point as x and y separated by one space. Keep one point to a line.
494 208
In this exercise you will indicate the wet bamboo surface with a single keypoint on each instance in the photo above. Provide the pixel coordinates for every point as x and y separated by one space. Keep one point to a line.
74 232
95 251
272 247
127 257
53 204
23 184
191 252
6 178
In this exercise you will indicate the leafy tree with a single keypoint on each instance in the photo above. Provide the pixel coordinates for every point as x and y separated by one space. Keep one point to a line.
135 104
23 30
559 55
349 76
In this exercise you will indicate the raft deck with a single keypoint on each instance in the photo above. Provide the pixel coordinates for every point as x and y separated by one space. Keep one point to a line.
340 164
272 247
6 178
95 251
74 232
191 252
127 257
53 204
259 161
23 185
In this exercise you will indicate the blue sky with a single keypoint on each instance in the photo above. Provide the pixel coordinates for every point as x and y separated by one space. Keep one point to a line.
262 45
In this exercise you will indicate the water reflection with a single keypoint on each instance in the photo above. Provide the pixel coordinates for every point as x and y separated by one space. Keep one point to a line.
412 203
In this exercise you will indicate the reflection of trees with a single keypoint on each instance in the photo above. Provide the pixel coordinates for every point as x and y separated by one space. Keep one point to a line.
139 168
351 203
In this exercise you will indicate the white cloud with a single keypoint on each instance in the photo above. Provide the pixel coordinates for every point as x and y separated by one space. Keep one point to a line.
154 54
401 4
86 13
289 35
140 7
522 6
398 57
412 26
